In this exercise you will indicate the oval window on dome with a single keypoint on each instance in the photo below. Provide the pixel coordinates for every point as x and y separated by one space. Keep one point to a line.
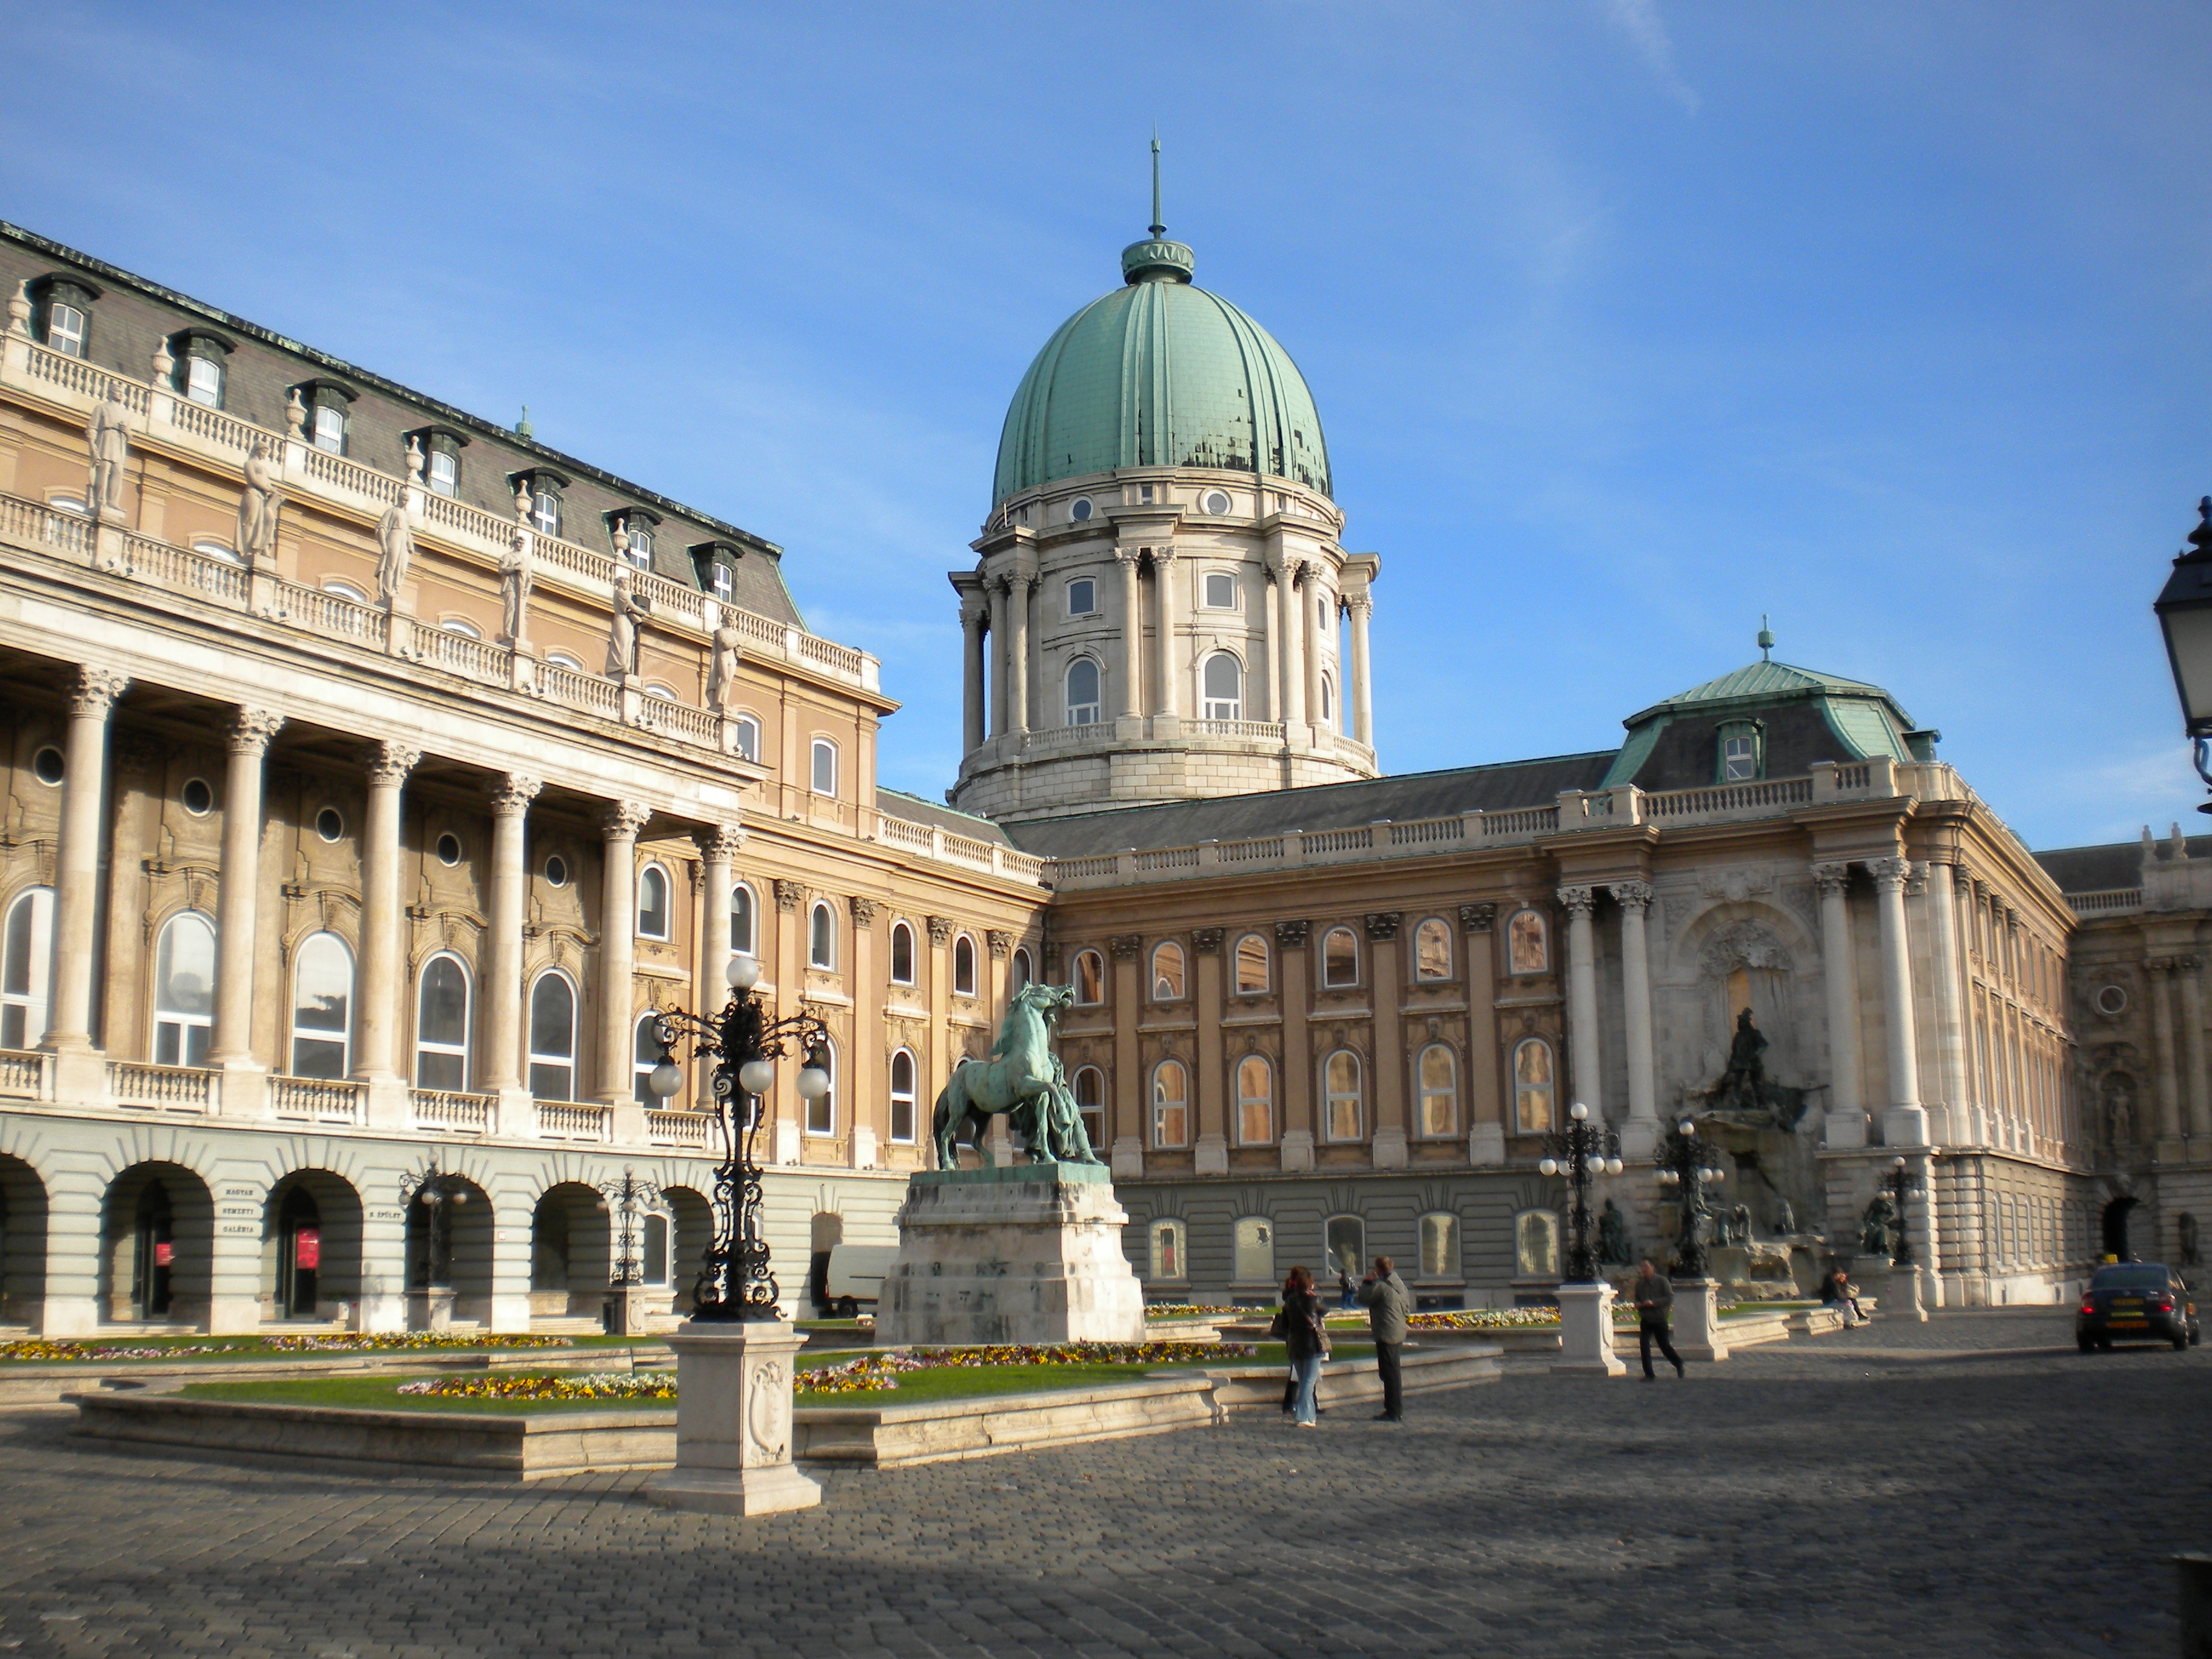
1078 510
1217 503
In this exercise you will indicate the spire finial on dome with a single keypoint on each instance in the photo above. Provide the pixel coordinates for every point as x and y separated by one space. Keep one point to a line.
1765 639
1156 227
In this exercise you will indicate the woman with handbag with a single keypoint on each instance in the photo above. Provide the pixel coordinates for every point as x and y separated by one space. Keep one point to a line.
1305 1341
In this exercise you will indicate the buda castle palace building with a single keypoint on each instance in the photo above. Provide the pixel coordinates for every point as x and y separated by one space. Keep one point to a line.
373 773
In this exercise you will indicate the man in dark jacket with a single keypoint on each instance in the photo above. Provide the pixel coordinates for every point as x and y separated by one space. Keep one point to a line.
1655 1306
1382 1293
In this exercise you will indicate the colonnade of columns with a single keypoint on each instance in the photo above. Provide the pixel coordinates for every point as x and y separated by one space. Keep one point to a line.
380 1013
2185 1089
997 621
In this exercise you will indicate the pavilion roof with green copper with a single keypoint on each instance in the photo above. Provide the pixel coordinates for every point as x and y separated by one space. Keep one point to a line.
1860 720
1160 373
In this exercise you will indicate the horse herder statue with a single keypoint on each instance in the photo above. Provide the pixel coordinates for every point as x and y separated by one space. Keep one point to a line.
1023 1078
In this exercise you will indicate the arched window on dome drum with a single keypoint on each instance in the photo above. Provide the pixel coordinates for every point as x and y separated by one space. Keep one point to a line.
1224 688
1083 699
1328 702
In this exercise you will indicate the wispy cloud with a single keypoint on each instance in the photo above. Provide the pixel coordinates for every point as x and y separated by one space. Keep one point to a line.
1646 30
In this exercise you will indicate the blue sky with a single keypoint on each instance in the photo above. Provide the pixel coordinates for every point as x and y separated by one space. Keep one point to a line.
1628 320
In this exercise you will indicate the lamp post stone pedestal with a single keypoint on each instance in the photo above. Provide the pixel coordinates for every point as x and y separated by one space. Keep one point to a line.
627 1305
1586 1333
1901 1291
733 1423
1698 1321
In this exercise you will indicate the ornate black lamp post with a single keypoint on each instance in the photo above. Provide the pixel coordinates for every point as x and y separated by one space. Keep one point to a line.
1690 1163
2184 616
744 1043
1897 1183
439 1194
626 1198
1581 1152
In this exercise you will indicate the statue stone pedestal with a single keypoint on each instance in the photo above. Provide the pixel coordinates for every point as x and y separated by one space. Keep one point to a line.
1586 1333
733 1381
1697 1319
1031 1252
1901 1295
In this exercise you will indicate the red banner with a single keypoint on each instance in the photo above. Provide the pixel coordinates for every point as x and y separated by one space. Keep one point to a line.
165 1255
307 1247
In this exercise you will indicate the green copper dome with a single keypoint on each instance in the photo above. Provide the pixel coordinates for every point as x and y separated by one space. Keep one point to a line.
1160 373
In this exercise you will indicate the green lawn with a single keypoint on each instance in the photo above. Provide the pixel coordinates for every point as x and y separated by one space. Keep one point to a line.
915 1388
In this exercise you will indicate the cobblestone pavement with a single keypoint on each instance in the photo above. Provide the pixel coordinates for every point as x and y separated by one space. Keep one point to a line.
1970 1487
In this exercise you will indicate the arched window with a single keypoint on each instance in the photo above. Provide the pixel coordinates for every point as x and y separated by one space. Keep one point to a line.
553 1037
644 1055
822 1114
1534 1081
963 966
822 937
1082 700
1167 1251
1439 1078
1090 978
652 903
1328 702
441 1025
1255 1100
1340 1092
322 1007
1536 1244
27 948
903 1097
1224 688
1432 950
748 739
655 1266
1090 1084
742 912
1171 1105
1527 950
1254 1237
1251 966
184 991
1340 958
1440 1245
1344 1245
1023 972
1167 972
902 954
826 767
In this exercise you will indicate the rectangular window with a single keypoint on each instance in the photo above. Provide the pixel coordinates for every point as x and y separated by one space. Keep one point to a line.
826 767
1082 597
545 513
1440 1246
203 381
330 429
722 586
1740 759
445 472
1220 591
65 329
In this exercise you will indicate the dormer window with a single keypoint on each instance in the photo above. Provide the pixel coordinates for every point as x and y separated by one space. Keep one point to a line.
63 313
1742 755
65 329
546 510
723 584
328 415
201 360
445 472
636 528
203 381
715 565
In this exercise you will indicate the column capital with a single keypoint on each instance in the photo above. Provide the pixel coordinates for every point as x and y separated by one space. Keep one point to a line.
250 730
1000 942
719 843
864 910
1383 924
1833 877
388 763
1478 918
1361 605
974 610
1579 901
623 819
1293 935
1126 946
787 895
95 692
940 930
512 795
1965 883
1631 895
1128 557
1206 940
1890 875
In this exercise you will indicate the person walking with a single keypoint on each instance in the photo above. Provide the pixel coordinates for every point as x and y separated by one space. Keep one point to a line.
1298 1322
1654 1307
1382 1293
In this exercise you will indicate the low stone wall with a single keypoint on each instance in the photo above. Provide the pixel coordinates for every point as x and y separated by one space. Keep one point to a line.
25 1382
877 1436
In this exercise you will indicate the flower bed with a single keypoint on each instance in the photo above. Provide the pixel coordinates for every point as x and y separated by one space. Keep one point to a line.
1486 1319
40 1348
869 1373
1186 1309
594 1385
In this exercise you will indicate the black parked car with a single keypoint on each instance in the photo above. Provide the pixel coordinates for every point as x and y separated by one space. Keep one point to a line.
2135 1301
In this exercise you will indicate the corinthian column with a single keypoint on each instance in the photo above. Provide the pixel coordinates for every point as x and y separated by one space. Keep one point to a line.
1017 653
971 659
1363 701
999 667
502 989
1588 1084
76 872
1904 1121
237 911
1847 1120
376 1019
1640 1136
1289 634
1955 1122
618 828
718 852
1132 701
1163 586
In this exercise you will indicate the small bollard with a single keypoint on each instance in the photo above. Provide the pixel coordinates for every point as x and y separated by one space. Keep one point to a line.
2195 1605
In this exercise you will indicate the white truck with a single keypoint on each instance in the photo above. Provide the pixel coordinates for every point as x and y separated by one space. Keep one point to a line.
855 1276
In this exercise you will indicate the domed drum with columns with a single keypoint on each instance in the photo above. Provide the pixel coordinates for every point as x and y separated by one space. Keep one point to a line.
1160 607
